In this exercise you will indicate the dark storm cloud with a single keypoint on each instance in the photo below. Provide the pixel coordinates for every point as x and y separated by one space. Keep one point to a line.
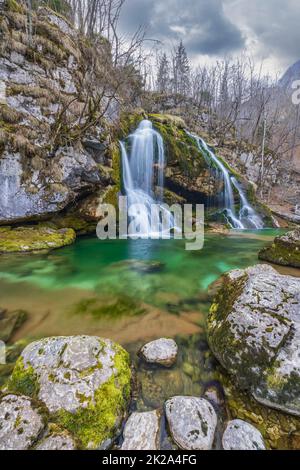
273 24
202 24
267 29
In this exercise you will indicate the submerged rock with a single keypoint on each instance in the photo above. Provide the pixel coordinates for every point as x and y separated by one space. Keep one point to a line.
83 381
20 423
162 351
192 422
61 441
142 431
284 251
140 266
32 239
254 331
10 322
240 435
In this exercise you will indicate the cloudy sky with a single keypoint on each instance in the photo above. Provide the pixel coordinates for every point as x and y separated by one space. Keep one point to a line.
269 30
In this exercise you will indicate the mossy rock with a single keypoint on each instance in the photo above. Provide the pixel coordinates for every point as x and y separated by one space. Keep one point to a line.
280 431
253 329
285 250
84 382
80 225
34 239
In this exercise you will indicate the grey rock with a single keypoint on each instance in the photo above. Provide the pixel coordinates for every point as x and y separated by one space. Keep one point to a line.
142 431
192 422
59 442
71 375
256 334
240 435
162 351
70 173
59 364
20 423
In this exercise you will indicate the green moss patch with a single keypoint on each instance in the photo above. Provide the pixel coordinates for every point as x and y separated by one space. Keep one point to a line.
32 239
282 253
99 421
111 307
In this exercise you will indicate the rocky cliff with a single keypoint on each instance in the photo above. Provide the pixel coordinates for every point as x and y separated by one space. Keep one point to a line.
51 150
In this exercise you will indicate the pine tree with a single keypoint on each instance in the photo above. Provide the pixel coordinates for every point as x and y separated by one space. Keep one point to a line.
163 76
181 71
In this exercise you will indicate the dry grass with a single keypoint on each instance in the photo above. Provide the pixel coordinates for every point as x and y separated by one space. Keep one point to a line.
49 47
22 145
9 115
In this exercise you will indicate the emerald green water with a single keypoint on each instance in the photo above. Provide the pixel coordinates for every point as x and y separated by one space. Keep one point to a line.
110 288
109 267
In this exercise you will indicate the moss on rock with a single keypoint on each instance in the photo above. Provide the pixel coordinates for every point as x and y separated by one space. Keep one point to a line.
33 239
284 250
280 431
95 425
84 382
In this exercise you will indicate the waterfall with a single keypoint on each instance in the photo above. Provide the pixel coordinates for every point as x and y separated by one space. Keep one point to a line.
247 217
143 180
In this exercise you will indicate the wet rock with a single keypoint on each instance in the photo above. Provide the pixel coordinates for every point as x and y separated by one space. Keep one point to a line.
240 435
32 239
284 251
215 394
62 441
192 422
20 423
254 331
83 381
142 431
139 266
162 351
10 322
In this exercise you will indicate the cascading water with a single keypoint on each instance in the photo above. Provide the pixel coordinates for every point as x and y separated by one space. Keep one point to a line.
143 179
247 216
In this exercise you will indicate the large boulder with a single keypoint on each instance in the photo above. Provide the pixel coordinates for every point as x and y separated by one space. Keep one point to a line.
192 422
83 381
284 251
254 331
240 435
20 423
143 431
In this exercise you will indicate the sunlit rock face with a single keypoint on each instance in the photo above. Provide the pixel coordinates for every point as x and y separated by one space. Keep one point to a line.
254 331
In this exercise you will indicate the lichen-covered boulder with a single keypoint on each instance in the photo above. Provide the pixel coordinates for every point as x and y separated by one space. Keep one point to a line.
83 381
192 422
33 239
284 251
20 423
240 435
254 331
142 431
57 441
162 351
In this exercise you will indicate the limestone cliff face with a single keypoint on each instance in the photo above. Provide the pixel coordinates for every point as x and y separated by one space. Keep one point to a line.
51 153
